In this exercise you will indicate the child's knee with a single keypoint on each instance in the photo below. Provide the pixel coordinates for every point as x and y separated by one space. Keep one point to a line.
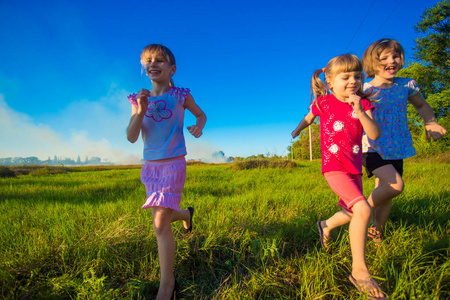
161 223
160 227
398 187
362 209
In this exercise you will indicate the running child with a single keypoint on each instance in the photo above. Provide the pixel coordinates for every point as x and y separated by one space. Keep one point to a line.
344 114
384 157
158 114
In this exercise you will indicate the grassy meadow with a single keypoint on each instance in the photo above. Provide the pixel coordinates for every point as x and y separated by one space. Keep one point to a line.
81 234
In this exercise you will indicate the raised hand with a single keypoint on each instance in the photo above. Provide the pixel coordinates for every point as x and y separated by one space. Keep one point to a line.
355 102
142 100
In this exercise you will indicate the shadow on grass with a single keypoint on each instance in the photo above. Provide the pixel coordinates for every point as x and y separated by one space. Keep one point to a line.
213 262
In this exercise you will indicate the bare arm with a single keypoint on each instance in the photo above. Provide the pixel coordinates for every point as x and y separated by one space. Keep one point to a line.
308 120
433 129
137 116
365 117
197 129
370 125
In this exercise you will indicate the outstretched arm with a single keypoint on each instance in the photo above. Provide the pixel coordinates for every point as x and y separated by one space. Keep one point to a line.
433 129
308 120
197 129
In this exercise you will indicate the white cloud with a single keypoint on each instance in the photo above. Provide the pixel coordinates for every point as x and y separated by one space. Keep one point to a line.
83 128
21 136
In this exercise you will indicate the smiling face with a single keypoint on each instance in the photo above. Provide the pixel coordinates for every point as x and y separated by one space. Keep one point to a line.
376 58
157 67
389 63
345 84
159 63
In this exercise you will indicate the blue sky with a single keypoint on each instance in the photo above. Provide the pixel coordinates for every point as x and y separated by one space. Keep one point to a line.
66 68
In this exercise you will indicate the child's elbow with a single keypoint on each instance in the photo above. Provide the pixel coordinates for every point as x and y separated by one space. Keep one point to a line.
131 139
375 136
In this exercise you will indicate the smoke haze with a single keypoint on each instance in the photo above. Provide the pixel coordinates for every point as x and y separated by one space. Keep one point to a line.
84 128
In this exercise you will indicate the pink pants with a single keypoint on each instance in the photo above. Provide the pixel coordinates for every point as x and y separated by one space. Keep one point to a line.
347 186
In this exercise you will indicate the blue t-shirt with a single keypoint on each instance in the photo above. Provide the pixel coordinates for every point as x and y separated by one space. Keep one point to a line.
395 141
162 127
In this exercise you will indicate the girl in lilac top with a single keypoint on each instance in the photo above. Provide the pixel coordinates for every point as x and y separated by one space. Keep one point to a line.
344 114
384 157
158 114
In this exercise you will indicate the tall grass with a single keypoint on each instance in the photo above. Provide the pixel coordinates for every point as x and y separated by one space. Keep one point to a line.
83 235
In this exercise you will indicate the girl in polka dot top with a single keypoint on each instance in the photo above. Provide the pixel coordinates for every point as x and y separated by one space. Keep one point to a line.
384 157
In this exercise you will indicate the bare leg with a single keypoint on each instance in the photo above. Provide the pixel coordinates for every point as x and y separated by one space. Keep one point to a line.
183 215
371 219
381 215
162 217
358 233
340 218
388 185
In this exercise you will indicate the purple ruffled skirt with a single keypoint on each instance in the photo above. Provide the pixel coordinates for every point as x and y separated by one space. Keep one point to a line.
164 183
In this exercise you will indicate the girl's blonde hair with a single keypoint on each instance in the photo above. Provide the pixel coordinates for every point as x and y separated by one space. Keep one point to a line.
371 57
157 49
339 64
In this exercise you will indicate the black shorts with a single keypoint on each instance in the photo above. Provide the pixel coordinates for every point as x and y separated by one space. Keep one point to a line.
372 161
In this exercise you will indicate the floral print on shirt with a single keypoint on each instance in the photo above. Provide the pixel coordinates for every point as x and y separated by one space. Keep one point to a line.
390 113
157 110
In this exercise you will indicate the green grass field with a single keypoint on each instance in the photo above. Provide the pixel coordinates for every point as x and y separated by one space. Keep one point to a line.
83 235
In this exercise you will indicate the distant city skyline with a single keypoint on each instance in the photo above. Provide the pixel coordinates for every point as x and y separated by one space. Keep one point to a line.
216 157
33 160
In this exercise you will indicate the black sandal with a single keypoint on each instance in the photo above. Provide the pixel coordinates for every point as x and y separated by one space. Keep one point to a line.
175 290
191 212
323 241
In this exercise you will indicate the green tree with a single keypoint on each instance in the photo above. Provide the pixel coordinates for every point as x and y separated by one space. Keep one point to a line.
425 75
431 70
300 148
434 48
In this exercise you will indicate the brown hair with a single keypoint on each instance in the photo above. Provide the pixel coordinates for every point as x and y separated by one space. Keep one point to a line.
339 64
371 57
158 50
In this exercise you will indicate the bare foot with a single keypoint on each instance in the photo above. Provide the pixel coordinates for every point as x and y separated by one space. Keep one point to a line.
187 220
187 223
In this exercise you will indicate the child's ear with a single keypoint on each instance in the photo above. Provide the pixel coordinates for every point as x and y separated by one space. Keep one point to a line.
174 69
